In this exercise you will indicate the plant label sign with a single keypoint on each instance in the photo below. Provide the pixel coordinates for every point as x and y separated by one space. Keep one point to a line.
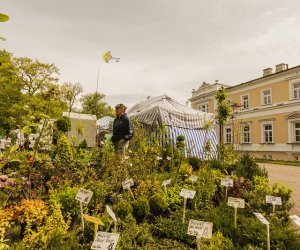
296 219
128 183
273 200
236 202
193 178
166 182
84 195
226 182
105 241
262 219
111 213
200 229
186 193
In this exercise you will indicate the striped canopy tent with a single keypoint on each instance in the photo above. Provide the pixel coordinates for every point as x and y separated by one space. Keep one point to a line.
180 120
104 123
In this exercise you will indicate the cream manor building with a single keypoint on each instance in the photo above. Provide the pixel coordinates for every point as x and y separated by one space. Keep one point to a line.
266 119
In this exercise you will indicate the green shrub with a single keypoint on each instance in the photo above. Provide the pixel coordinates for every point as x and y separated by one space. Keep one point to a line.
172 228
132 235
158 204
246 167
163 244
195 162
122 209
63 124
65 196
83 144
218 241
141 209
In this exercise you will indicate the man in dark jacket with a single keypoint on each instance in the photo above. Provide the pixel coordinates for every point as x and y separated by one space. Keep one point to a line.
122 130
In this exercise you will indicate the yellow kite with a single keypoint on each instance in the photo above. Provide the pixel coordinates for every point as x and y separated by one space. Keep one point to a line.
107 57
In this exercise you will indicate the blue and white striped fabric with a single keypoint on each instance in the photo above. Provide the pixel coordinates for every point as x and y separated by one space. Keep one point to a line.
195 141
180 120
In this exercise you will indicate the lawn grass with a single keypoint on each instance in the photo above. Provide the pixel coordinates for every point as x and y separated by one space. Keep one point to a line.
289 163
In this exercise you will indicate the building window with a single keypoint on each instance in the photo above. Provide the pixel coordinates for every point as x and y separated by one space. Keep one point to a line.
246 134
266 97
203 107
228 135
245 101
267 133
297 132
296 90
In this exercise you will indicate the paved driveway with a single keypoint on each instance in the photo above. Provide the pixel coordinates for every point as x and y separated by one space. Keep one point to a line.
288 175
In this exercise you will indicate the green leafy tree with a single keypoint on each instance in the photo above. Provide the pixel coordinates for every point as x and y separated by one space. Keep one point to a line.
10 92
69 92
93 103
34 75
224 111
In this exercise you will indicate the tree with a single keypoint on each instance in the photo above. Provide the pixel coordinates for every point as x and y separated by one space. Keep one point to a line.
10 91
34 75
70 92
94 104
224 111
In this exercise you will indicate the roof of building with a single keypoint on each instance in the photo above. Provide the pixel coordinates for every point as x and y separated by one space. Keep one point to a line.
73 115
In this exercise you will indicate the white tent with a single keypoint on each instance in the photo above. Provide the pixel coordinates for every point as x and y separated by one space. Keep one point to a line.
104 123
180 120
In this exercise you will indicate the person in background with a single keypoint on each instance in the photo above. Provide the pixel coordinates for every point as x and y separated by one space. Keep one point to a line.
122 130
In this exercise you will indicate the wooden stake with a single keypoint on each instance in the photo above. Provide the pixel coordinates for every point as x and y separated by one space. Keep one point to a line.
82 220
268 237
184 205
235 216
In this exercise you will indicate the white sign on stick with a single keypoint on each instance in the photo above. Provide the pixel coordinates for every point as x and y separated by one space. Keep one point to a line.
200 229
226 182
273 200
236 202
193 178
262 219
166 182
296 219
128 183
105 241
84 195
186 193
111 213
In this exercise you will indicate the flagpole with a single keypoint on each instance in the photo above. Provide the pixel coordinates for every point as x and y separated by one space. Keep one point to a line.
98 78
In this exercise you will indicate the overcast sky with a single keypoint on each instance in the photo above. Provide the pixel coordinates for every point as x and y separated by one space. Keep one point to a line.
166 46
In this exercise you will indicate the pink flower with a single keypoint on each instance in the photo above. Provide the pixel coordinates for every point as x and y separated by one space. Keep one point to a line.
3 177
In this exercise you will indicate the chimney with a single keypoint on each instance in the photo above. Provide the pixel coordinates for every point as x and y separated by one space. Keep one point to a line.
281 67
267 71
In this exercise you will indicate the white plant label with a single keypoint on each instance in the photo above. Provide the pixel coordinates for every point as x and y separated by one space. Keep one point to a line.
295 219
111 213
273 200
84 195
107 241
186 193
226 182
262 219
200 229
236 202
128 183
193 178
166 182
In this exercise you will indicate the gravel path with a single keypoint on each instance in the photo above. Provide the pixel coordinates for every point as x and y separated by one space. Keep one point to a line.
288 175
